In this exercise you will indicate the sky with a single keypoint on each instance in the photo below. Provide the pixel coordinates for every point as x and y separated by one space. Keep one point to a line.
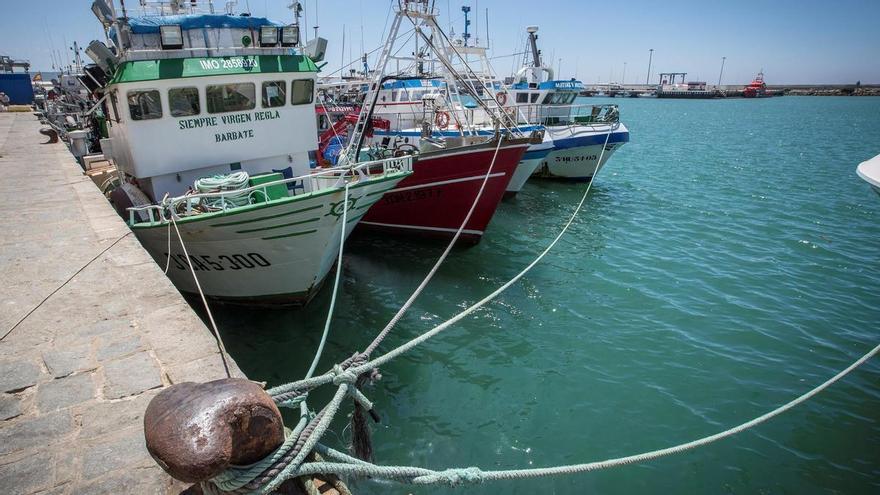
793 41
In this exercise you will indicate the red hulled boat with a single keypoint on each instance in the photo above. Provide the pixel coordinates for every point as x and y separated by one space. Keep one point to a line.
758 88
435 199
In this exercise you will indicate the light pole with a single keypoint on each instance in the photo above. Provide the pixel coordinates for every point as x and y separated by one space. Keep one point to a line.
722 70
650 59
623 79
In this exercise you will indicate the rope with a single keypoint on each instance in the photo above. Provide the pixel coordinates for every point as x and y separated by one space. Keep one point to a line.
204 301
409 302
335 287
19 322
168 256
345 375
295 388
476 475
345 379
221 183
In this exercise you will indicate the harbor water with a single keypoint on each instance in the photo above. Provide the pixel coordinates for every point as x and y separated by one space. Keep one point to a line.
727 261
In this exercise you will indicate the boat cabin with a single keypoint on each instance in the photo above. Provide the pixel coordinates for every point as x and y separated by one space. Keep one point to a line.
199 95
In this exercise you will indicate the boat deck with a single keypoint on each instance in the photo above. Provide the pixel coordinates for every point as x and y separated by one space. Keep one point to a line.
89 342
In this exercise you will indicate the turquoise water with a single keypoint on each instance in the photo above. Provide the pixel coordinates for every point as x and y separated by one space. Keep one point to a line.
727 261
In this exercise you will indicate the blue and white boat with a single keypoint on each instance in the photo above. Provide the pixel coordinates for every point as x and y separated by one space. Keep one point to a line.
578 133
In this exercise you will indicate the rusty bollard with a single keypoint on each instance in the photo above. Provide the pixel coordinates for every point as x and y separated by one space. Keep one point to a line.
51 133
196 430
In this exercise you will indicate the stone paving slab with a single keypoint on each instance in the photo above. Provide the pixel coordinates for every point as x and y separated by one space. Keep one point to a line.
77 374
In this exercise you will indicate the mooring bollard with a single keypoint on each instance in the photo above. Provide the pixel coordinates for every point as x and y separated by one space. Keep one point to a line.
197 430
51 133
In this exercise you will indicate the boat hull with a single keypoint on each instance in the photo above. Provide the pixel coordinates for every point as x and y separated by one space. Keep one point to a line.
530 162
869 171
575 154
278 253
435 199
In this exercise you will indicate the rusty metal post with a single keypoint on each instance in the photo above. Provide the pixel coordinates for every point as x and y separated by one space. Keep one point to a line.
195 431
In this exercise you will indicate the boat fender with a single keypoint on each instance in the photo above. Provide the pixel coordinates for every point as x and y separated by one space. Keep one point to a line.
502 98
442 119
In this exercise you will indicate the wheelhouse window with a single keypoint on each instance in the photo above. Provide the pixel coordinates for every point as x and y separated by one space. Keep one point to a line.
560 98
144 105
534 97
274 94
231 97
302 91
522 97
184 102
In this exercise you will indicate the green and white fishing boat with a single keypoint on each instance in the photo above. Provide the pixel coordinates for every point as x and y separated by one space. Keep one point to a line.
212 129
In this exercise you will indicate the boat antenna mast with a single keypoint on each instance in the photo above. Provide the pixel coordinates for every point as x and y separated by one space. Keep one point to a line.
420 13
297 10
444 50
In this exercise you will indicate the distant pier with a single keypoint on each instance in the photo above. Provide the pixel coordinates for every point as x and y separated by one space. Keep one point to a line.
736 91
90 335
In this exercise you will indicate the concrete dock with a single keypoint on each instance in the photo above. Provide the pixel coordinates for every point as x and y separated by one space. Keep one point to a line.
87 338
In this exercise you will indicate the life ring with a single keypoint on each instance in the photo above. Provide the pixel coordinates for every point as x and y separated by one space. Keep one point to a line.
442 120
502 98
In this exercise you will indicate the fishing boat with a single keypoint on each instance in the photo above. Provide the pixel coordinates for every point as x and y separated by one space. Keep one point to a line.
758 88
573 135
869 171
414 103
578 133
211 125
449 172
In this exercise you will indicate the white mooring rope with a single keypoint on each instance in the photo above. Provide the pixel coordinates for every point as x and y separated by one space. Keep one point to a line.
192 270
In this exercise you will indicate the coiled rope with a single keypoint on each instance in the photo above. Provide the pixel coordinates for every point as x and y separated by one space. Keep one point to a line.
224 183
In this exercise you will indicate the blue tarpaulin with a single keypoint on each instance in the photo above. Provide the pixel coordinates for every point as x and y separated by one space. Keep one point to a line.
18 88
150 24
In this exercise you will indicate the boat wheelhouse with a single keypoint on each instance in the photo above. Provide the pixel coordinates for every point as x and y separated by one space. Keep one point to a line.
211 125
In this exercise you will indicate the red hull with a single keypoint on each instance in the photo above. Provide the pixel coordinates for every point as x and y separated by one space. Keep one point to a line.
435 199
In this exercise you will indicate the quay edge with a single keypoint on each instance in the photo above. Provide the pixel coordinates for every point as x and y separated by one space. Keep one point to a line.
78 371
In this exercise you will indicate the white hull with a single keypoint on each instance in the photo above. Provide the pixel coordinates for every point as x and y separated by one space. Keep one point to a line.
274 253
530 162
577 150
869 171
523 171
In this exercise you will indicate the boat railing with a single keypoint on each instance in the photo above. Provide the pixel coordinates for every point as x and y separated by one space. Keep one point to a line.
580 114
133 54
171 7
224 200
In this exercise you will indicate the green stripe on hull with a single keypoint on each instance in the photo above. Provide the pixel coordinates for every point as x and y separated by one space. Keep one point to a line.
269 217
367 205
310 220
352 219
294 234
